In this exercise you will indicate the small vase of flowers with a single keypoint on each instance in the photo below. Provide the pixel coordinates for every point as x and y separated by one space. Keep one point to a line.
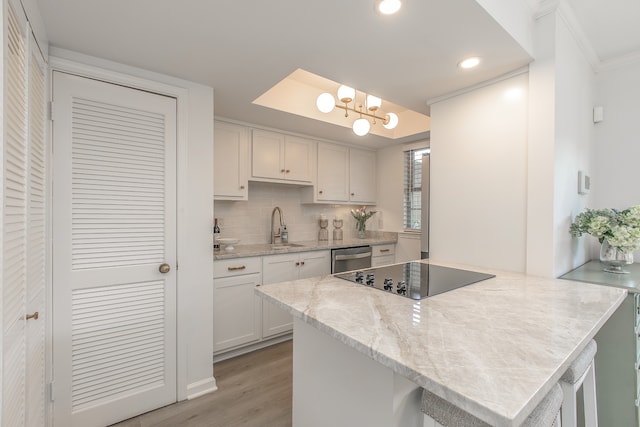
361 215
618 232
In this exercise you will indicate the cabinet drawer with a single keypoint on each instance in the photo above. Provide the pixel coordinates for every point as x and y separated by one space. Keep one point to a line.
236 267
383 250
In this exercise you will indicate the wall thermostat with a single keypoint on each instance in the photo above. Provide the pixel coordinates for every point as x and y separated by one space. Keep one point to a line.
584 183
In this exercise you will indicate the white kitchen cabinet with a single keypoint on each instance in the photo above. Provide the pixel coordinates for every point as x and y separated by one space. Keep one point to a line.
345 175
231 161
362 176
237 311
383 254
285 267
276 157
333 173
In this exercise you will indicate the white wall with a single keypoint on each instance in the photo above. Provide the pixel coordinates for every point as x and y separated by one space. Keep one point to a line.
478 176
250 221
541 150
391 184
574 146
616 178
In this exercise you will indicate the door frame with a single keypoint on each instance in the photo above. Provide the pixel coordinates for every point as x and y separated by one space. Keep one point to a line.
114 73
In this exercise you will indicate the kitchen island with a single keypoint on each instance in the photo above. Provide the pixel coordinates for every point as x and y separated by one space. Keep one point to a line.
493 348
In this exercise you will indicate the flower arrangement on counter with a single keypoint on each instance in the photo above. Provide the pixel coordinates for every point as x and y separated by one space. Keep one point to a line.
361 215
620 228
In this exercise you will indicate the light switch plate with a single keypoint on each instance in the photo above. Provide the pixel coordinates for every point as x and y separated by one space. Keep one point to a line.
584 182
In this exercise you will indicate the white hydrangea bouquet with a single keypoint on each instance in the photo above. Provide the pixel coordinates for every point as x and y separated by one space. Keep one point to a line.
620 228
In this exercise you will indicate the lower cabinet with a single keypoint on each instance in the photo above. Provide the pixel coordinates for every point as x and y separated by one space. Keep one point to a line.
383 254
240 317
282 268
237 311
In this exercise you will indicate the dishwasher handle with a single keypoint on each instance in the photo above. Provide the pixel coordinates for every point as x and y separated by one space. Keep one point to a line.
354 256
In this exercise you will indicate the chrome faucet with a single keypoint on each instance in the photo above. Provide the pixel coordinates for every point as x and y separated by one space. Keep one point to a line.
278 234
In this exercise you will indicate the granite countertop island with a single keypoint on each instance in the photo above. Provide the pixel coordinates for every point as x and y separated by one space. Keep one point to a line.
493 348
373 238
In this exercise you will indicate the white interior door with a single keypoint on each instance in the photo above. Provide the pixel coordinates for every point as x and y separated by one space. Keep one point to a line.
114 225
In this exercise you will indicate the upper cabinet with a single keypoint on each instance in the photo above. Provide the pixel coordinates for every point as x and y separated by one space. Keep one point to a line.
231 161
276 157
345 175
362 176
333 173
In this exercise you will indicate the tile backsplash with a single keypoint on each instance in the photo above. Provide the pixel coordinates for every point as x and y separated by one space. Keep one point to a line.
250 221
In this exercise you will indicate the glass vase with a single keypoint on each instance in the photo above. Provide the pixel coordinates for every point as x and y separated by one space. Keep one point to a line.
362 230
614 258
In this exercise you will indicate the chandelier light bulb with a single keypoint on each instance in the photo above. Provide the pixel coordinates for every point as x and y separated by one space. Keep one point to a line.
361 127
325 102
391 122
346 94
388 7
373 102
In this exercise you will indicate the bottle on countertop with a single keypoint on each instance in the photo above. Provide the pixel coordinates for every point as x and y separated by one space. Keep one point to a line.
216 234
284 234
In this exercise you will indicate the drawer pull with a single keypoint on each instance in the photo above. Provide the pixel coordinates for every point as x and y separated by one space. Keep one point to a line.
33 316
384 250
242 267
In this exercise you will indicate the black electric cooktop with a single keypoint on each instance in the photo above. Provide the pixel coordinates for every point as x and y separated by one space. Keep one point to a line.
414 280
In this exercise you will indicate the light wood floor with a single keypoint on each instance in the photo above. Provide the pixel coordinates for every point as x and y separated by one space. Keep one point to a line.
254 390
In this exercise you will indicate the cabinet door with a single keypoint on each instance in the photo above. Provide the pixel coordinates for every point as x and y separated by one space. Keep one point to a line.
231 161
237 311
267 159
333 173
275 269
297 159
314 264
362 176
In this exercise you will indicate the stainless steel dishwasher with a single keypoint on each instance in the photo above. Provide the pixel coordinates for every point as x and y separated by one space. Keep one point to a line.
348 259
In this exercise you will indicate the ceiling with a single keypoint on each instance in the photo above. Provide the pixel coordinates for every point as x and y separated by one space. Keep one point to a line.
242 48
610 27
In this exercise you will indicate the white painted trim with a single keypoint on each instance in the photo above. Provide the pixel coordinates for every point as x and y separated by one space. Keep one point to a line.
202 387
287 132
620 61
507 76
540 8
86 66
573 25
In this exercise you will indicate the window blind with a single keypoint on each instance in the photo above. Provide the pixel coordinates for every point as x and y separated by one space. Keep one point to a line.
413 188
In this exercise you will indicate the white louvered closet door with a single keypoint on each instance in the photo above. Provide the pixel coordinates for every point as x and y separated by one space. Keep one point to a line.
114 207
14 226
36 239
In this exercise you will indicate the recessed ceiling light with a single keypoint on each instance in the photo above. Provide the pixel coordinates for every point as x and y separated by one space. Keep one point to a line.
469 62
388 7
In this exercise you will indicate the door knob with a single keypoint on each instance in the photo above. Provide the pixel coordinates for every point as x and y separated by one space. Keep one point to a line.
164 268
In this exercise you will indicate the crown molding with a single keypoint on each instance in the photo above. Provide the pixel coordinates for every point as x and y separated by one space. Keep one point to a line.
444 97
620 61
573 25
540 8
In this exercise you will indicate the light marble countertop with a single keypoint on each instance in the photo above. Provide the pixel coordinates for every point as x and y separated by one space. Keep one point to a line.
373 238
493 348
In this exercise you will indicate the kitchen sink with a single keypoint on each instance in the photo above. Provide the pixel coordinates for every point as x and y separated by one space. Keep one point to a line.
285 245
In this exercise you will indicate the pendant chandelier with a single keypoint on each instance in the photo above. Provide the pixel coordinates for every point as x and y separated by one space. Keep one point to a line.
368 108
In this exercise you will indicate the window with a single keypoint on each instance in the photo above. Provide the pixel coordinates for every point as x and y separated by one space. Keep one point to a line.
413 188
